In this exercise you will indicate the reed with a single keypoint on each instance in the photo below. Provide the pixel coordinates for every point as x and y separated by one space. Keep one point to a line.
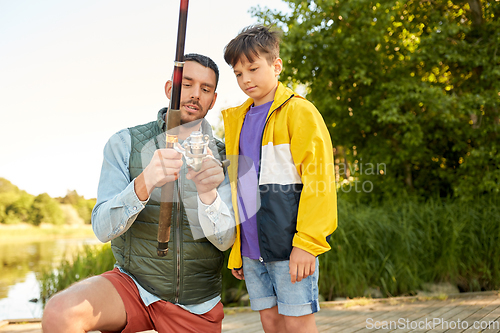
401 244
91 260
395 247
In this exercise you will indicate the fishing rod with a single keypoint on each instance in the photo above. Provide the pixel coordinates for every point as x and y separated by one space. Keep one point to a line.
173 121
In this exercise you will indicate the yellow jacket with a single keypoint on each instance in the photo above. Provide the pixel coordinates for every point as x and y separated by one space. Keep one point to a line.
296 178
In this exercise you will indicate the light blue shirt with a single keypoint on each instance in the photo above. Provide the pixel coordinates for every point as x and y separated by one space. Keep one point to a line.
117 208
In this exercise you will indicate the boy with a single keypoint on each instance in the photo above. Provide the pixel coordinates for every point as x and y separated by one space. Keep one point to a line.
285 155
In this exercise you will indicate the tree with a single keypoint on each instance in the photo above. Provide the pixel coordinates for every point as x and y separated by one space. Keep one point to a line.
14 203
413 85
7 186
46 210
21 208
82 206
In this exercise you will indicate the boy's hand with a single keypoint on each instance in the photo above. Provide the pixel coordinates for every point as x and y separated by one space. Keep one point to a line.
302 264
238 273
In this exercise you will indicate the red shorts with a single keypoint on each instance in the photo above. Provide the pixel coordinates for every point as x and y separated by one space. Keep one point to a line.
162 316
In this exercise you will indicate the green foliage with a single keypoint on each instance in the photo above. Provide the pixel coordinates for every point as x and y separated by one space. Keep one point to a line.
17 206
412 84
6 186
401 244
83 206
21 208
46 210
92 260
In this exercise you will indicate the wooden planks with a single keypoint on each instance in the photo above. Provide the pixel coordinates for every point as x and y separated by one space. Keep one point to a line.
362 316
407 315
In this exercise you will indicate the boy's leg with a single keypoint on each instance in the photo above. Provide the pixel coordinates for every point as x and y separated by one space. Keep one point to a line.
283 306
262 295
87 305
297 302
272 321
306 324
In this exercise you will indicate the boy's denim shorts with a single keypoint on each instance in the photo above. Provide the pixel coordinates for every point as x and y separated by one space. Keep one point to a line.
268 284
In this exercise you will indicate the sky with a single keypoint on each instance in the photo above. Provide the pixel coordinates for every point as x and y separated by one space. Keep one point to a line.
72 73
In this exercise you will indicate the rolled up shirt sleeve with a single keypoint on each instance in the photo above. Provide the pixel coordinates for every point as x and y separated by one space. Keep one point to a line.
117 204
217 220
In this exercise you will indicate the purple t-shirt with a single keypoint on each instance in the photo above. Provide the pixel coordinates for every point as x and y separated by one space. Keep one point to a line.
248 187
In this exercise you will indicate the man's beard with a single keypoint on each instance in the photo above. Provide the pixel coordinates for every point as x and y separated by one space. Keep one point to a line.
190 124
195 122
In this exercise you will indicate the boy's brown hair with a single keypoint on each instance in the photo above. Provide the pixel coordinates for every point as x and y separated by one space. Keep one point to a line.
251 42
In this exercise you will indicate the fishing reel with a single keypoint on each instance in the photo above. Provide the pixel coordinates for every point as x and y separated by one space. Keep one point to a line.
195 150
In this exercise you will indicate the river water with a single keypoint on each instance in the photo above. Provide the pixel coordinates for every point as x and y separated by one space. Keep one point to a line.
20 264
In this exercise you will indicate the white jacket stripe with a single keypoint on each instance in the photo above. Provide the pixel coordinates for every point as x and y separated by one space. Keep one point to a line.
277 166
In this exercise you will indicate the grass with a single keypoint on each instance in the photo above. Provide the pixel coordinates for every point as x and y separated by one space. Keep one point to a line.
395 247
92 260
25 232
399 245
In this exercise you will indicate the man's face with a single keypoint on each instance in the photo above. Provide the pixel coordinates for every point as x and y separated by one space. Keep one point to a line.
198 92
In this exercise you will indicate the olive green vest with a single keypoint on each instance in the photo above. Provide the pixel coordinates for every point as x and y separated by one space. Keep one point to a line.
191 271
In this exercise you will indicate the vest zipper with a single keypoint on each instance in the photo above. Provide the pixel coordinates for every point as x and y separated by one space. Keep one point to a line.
178 240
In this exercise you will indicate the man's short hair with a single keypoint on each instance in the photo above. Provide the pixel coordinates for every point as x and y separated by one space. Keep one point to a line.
204 61
251 42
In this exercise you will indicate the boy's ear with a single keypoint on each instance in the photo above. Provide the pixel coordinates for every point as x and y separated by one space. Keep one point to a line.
168 89
278 66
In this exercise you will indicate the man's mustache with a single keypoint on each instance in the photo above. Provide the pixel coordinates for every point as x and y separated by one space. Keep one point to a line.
194 102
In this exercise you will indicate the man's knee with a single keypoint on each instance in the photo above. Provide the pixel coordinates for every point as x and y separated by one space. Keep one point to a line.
86 305
70 308
58 315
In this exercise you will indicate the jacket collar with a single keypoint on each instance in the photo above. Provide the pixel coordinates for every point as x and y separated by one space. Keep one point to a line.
281 95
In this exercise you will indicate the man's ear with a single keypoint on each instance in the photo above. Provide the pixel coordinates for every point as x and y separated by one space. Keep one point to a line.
278 66
213 102
168 89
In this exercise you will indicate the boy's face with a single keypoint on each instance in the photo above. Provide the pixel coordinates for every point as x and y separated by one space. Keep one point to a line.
258 79
198 91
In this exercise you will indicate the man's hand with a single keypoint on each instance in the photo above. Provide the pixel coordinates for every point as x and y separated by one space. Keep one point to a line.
207 180
302 264
164 167
238 273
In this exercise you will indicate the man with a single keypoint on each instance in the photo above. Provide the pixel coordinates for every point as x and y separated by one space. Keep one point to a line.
181 291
